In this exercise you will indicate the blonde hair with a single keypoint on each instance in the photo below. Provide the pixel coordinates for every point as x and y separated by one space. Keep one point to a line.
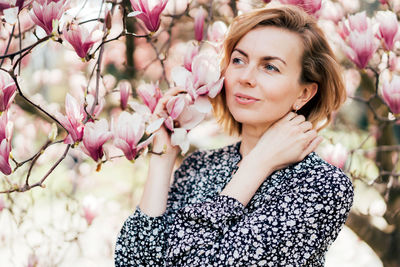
318 63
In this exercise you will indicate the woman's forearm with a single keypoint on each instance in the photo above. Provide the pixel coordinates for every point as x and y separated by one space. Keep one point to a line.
247 180
155 193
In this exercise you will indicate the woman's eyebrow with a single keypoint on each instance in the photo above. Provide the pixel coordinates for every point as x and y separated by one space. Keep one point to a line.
266 58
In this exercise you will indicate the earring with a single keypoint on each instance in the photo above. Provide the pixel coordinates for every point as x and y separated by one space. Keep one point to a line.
296 108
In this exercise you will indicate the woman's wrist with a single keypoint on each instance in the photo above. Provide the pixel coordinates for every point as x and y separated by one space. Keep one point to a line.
247 179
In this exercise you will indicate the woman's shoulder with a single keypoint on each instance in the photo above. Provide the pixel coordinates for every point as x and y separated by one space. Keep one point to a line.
324 177
212 155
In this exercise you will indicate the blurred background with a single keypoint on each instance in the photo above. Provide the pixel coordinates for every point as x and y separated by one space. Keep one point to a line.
61 205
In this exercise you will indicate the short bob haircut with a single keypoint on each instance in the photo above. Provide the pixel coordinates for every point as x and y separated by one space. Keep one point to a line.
318 62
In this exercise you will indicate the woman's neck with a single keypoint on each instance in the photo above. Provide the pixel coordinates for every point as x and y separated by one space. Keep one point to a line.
250 136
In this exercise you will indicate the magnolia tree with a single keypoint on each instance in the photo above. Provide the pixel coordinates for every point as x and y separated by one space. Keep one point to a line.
122 55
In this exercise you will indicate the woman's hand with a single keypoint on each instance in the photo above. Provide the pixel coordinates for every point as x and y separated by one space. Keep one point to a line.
155 192
287 141
162 139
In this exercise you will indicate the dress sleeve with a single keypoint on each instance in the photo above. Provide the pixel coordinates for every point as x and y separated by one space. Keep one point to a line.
291 230
142 239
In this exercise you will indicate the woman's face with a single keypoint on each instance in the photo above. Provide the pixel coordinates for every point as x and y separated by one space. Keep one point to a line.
262 78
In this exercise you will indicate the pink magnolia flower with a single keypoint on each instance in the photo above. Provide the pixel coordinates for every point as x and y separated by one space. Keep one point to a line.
5 149
128 131
6 132
216 32
191 52
383 2
150 17
80 38
72 122
46 13
310 6
391 94
199 24
149 93
90 206
332 11
174 107
5 4
125 89
33 261
362 47
179 118
90 100
388 27
7 90
359 22
343 30
352 79
6 127
94 137
202 82
335 154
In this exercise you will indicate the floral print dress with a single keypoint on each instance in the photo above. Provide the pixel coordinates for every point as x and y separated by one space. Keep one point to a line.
291 220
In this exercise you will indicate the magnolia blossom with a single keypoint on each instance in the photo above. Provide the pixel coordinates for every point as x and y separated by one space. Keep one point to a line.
33 261
362 47
388 27
91 207
180 117
125 89
94 137
391 94
150 17
310 6
359 22
352 79
5 4
5 149
80 38
216 32
72 122
335 154
202 82
90 100
6 131
191 52
149 93
7 90
46 13
199 24
6 127
128 131
332 11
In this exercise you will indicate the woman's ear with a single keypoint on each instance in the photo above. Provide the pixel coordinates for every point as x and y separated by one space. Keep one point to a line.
306 94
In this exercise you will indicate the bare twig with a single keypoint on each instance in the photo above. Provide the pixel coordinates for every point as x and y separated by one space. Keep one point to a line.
39 183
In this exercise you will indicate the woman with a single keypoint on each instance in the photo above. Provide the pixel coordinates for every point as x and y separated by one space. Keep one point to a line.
267 200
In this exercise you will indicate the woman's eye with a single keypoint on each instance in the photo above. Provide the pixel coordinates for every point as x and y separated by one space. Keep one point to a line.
271 67
236 60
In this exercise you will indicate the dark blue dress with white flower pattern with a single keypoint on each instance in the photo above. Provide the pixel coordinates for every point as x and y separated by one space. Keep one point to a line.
291 220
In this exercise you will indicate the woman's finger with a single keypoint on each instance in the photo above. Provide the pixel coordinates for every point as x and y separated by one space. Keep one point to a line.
173 91
306 126
298 119
312 146
164 100
289 116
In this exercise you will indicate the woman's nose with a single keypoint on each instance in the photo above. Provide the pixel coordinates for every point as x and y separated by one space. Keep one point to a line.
247 77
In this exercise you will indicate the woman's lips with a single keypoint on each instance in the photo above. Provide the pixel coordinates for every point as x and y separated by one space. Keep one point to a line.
245 99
